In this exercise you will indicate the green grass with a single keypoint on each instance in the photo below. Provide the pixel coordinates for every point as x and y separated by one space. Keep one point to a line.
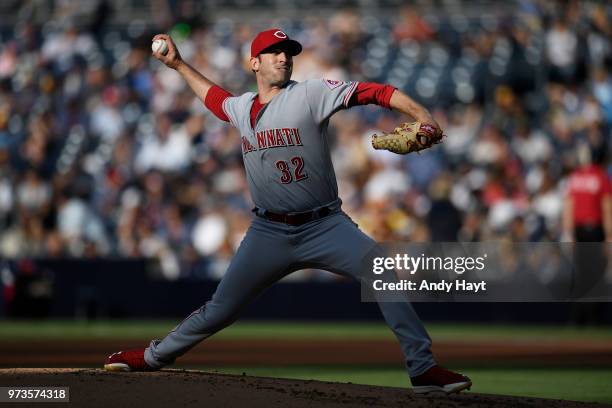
588 384
592 385
149 329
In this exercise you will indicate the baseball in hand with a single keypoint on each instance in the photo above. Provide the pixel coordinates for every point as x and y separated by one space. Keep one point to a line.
160 46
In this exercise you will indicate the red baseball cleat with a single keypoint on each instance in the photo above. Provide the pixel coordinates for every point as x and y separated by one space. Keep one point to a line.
438 379
129 360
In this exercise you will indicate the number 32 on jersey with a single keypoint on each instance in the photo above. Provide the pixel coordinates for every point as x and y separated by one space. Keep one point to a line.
292 170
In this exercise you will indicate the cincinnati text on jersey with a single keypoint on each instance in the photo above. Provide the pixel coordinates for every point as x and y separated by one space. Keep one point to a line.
270 138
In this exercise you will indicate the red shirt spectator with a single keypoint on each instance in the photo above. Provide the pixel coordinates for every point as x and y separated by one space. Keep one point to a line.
587 188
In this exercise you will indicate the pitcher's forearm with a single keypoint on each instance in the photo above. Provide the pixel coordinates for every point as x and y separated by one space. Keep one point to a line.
196 81
406 105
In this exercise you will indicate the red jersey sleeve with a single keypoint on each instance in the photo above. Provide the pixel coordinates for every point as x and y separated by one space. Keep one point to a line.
214 101
371 92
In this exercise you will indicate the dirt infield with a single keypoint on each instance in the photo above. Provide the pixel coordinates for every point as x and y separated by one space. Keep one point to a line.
270 352
173 388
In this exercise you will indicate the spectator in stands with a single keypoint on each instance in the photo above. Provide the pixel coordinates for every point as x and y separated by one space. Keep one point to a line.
588 222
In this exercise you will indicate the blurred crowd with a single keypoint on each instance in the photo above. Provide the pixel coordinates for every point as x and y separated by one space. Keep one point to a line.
105 152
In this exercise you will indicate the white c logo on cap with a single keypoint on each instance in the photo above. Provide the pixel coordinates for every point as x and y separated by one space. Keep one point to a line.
280 34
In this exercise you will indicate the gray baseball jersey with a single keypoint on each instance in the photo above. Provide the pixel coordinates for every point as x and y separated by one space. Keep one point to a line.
286 156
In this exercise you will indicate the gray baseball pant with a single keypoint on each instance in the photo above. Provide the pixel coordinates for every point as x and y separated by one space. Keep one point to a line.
272 250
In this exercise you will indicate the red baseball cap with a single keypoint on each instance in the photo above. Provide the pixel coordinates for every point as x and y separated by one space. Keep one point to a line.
274 36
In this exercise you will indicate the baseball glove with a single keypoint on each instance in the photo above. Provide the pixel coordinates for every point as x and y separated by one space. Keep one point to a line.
408 138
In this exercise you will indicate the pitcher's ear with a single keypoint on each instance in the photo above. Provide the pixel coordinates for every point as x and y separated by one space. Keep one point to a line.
255 61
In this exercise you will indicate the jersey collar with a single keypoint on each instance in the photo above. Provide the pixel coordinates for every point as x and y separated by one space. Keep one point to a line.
290 82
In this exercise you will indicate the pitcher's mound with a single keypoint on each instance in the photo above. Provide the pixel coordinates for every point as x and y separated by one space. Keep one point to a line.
189 388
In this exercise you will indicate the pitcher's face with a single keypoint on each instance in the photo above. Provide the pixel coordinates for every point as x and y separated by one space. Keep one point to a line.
274 66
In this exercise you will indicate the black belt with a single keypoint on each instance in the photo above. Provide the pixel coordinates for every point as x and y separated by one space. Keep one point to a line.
295 219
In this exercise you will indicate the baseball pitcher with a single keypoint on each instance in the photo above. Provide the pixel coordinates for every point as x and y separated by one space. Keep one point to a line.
297 211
